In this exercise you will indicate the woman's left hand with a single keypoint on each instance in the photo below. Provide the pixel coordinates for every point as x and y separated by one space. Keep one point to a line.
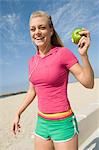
84 42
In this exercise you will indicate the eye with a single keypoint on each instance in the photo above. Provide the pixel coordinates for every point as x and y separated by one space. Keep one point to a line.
42 27
32 29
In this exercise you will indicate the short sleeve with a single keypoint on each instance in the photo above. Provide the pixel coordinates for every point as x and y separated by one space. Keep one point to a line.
68 58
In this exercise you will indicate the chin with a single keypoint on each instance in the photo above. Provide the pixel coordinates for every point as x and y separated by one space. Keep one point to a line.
39 45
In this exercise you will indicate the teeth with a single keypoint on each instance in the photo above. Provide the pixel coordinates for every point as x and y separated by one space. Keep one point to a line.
39 38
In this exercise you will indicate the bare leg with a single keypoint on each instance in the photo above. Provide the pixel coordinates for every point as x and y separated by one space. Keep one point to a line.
41 144
69 145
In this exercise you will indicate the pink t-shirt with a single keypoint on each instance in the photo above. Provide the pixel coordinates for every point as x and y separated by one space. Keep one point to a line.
49 76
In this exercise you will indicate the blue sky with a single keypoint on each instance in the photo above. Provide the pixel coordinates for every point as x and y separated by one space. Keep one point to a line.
15 44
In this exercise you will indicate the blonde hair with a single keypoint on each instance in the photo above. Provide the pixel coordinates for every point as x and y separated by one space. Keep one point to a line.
55 39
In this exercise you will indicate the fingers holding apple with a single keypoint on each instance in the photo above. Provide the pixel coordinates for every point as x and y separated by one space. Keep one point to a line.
84 42
76 36
81 37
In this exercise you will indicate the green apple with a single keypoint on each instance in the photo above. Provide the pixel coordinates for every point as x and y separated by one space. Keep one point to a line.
76 36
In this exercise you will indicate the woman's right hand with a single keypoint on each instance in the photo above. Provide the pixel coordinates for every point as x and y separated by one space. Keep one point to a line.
15 125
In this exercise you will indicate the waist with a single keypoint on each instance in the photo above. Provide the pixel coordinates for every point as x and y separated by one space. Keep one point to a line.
54 105
56 116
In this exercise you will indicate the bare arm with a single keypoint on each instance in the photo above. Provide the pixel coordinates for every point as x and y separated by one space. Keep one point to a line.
84 73
31 93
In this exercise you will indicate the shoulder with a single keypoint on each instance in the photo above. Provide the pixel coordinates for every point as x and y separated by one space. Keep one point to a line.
64 51
31 62
31 59
67 57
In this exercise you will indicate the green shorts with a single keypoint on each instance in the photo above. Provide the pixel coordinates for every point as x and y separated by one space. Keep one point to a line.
57 130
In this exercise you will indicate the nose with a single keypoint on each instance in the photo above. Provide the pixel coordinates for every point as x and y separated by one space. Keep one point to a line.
37 31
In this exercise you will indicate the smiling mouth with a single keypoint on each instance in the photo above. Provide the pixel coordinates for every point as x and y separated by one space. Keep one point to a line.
39 38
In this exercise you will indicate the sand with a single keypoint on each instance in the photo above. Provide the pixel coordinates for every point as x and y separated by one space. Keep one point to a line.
79 96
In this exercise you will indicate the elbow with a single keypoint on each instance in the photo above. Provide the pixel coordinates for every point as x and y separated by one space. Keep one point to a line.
90 84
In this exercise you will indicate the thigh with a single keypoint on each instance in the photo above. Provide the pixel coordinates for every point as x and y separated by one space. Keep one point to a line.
63 130
42 144
68 145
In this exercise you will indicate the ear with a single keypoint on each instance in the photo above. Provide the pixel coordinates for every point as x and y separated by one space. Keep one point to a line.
52 32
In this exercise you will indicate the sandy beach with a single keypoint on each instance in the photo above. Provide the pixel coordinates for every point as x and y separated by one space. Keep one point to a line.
80 99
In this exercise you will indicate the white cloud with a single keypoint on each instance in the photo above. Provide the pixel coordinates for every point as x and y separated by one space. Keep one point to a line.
8 26
11 37
73 14
10 18
12 29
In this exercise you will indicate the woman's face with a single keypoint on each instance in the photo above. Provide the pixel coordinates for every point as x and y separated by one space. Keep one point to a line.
40 31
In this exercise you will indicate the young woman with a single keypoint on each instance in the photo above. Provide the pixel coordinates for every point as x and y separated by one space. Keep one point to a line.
48 79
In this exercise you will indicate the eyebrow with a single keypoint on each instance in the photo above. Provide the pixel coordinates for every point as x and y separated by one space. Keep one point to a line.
39 25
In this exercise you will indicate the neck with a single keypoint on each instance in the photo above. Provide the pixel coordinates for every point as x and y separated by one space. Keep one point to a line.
44 50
